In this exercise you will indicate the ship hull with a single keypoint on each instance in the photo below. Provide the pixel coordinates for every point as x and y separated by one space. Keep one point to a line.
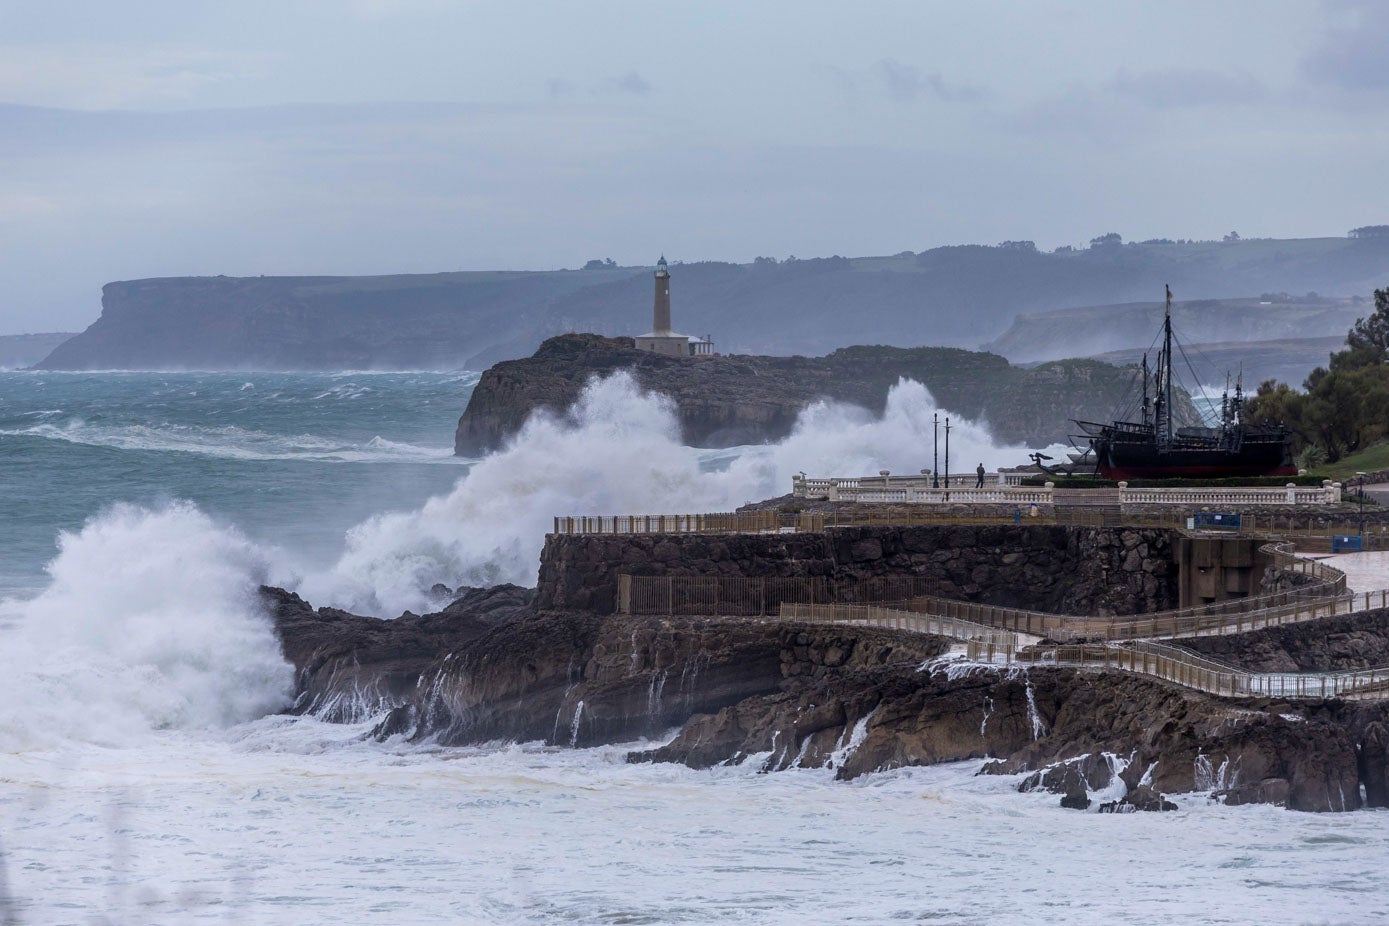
1126 459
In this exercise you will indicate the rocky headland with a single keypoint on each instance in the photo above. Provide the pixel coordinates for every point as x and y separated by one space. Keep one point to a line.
555 664
737 399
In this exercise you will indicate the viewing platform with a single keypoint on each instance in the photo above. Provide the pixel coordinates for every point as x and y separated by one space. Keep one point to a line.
1006 488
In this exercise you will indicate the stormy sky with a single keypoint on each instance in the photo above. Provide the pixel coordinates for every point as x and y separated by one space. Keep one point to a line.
174 137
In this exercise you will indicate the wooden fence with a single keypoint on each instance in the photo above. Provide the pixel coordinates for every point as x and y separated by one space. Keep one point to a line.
732 522
770 522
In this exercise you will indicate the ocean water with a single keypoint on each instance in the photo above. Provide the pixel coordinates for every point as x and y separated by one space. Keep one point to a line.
146 776
292 460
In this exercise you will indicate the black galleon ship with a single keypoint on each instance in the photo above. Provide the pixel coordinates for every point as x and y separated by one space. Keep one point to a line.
1155 449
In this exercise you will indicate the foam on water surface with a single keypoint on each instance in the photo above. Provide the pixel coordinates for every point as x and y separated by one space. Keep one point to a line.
293 820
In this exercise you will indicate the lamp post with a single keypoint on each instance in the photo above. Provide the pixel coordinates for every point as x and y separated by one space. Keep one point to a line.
947 451
935 450
1361 493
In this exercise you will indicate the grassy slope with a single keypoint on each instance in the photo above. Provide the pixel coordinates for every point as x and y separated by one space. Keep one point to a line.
1373 459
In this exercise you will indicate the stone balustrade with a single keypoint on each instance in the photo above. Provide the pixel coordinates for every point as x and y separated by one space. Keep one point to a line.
1328 493
998 488
1005 488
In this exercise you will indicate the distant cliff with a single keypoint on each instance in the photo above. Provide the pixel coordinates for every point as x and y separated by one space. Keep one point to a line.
1125 331
24 350
740 399
955 296
438 321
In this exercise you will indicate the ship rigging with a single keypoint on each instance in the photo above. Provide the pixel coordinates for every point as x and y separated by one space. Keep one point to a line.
1156 448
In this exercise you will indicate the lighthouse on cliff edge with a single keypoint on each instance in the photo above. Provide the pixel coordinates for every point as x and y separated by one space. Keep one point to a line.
661 340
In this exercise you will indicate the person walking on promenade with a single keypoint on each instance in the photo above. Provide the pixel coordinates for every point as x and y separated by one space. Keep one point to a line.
979 484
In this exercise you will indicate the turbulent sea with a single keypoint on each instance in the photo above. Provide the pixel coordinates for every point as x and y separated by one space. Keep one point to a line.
146 776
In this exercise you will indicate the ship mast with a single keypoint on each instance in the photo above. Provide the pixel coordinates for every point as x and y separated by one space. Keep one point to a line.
1164 412
1146 404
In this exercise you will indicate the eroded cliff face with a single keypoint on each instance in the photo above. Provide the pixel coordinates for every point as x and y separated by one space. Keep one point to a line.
744 399
854 699
1042 567
1165 739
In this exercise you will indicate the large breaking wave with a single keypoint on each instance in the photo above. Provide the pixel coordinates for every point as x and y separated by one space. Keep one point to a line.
618 451
150 621
150 618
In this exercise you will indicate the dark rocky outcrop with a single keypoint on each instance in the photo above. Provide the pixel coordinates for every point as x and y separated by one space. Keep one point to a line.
348 667
1333 644
741 399
1043 567
855 699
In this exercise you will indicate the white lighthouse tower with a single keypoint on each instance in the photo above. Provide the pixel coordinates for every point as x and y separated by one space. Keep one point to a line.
661 339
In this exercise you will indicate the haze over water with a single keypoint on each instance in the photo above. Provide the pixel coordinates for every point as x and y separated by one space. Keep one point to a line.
144 776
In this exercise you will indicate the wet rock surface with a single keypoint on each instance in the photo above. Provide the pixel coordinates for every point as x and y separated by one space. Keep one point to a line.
348 667
854 699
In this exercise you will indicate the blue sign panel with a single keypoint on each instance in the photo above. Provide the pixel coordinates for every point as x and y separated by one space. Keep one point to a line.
1346 543
1209 519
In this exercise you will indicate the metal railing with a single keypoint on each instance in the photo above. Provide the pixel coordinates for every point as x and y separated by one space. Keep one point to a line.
1324 597
986 643
1308 536
1162 625
1201 673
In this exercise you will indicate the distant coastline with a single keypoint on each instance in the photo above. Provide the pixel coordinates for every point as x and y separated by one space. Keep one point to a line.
961 296
19 351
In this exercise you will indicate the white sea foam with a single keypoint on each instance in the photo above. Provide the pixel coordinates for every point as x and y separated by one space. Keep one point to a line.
290 820
232 443
618 451
150 621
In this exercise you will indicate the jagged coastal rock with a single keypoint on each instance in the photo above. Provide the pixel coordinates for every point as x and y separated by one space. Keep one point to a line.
740 399
854 699
555 665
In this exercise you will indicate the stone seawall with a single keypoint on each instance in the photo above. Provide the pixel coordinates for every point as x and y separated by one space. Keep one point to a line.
1067 569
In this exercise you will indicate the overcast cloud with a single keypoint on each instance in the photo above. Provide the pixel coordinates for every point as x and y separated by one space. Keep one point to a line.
177 137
